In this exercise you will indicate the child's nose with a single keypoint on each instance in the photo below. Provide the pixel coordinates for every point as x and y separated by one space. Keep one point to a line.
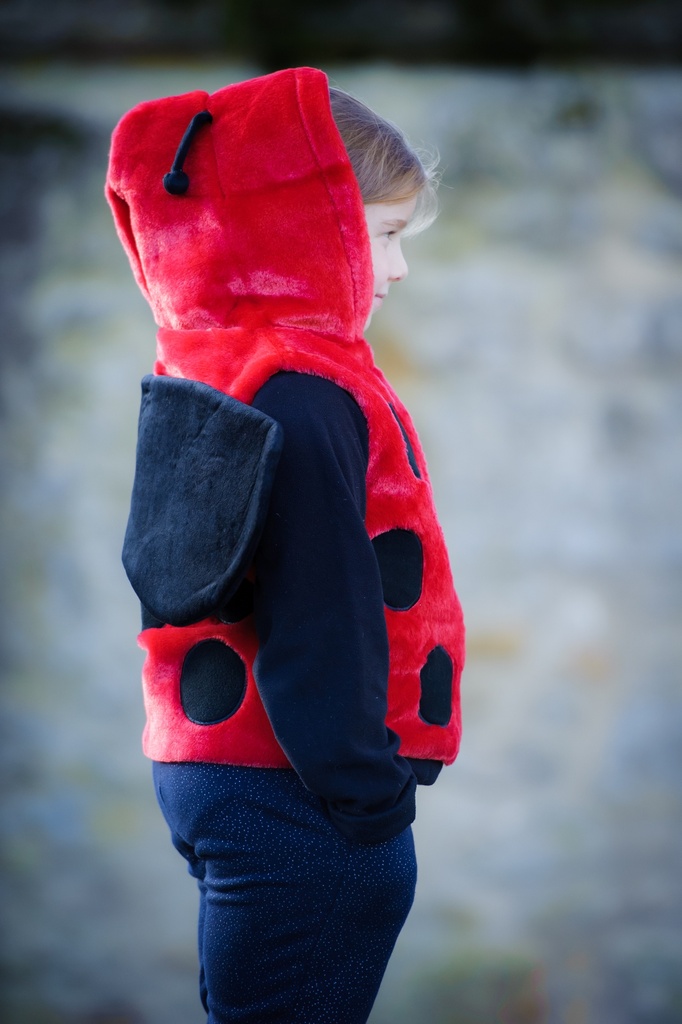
398 266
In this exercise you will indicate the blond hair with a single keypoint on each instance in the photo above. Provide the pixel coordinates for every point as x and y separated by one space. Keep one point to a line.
388 168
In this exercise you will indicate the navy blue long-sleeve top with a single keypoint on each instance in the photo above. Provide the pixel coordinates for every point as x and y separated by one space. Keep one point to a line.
322 665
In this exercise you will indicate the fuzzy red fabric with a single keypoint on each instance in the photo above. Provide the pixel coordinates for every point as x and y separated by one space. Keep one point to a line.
265 265
268 230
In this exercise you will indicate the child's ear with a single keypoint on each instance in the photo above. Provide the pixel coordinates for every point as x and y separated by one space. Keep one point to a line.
121 212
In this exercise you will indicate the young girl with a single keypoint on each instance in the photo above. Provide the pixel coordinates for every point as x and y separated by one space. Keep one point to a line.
304 641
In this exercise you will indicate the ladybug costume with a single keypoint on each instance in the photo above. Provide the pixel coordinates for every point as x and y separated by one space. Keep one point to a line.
298 605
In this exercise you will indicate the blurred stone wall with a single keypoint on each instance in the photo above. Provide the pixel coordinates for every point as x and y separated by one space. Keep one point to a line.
538 342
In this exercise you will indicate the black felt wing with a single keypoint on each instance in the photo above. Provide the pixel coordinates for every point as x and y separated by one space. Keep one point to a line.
204 472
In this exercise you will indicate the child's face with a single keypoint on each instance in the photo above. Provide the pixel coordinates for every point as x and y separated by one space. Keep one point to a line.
385 224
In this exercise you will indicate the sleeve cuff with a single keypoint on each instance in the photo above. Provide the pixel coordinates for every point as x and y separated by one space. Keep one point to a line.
377 827
426 772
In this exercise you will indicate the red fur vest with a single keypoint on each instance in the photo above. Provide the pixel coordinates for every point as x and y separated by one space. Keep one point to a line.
261 263
423 615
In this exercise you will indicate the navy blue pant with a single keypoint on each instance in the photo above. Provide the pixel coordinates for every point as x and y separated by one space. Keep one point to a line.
296 922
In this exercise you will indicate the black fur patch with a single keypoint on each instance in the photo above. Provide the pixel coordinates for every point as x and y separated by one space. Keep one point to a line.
212 683
411 457
204 472
435 706
401 564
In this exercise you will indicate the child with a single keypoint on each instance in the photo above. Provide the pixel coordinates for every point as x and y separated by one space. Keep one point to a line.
304 641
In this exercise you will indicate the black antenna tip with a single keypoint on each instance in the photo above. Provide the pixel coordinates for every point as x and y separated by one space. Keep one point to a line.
176 183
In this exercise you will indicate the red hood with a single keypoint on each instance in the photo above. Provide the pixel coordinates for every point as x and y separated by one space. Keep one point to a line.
271 230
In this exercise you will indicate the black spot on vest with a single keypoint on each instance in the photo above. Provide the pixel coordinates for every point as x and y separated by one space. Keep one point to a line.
412 458
435 706
401 564
212 683
240 604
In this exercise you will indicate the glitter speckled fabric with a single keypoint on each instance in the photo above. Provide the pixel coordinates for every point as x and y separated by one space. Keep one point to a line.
296 922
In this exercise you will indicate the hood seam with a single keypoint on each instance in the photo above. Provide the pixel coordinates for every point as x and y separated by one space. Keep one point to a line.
323 175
